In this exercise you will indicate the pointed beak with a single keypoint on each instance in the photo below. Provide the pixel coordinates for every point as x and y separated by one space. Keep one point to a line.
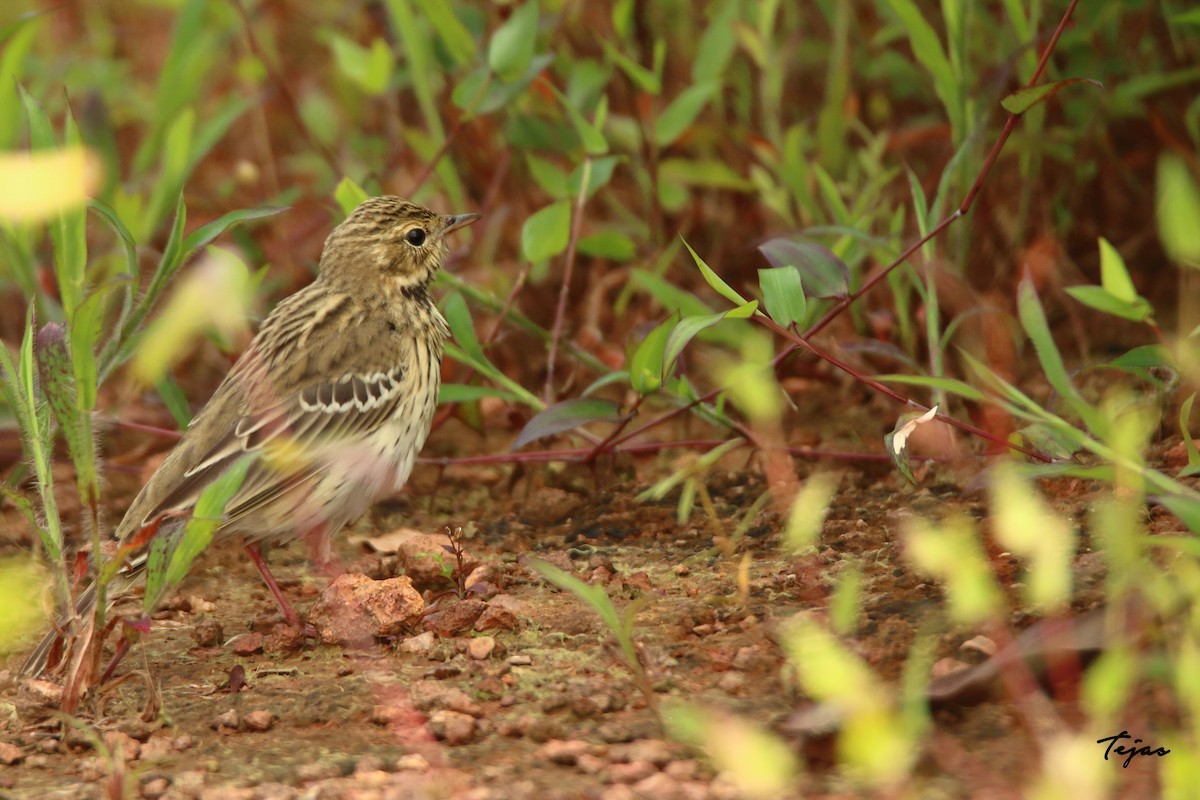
457 221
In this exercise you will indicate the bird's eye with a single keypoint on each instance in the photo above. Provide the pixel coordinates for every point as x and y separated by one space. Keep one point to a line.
415 237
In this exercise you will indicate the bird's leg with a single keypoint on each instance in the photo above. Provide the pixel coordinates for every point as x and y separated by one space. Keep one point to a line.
319 542
289 613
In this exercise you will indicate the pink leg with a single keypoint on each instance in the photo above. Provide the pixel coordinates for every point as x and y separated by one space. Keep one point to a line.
289 613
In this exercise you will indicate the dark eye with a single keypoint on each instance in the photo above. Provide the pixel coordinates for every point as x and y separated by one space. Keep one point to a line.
415 237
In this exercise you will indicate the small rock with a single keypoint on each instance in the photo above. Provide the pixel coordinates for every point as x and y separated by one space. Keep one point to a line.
226 722
135 729
658 785
519 661
653 751
456 617
632 772
452 727
979 644
189 783
422 555
947 666
122 746
44 746
419 645
589 764
430 695
558 751
732 682
248 644
480 648
155 787
354 609
482 580
751 658
94 769
42 693
619 792
157 748
541 729
318 771
198 605
259 720
497 618
685 769
182 743
10 754
412 762
680 569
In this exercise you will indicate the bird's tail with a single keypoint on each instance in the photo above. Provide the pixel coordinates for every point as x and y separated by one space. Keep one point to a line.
37 661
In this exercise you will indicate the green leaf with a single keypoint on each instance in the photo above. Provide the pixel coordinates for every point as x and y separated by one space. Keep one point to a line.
463 393
649 81
368 68
1185 413
349 195
940 384
1027 97
1033 320
1177 208
783 295
207 233
457 39
822 273
706 172
686 329
599 171
646 364
85 327
676 118
565 416
594 143
512 45
720 286
717 44
609 244
546 232
1148 355
458 317
548 176
1100 299
1114 277
175 401
1186 508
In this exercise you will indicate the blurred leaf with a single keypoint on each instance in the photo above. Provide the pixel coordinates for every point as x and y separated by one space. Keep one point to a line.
599 174
951 552
512 45
783 295
1024 524
548 176
667 294
22 582
807 515
175 401
1189 444
928 50
940 384
1177 208
676 118
709 173
712 279
1023 99
717 44
40 185
756 761
594 143
1114 277
1186 508
457 39
489 371
822 273
349 195
1148 355
212 296
17 39
646 364
648 80
546 232
369 68
896 442
686 329
609 244
85 328
567 415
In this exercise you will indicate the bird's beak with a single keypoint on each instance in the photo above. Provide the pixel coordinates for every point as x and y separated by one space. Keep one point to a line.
457 221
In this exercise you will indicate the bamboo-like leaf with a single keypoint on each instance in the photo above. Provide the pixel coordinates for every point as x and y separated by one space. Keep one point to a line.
567 415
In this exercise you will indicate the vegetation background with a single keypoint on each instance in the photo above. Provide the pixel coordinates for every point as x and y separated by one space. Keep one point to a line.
791 151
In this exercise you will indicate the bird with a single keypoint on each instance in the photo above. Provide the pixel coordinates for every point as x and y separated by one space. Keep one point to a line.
329 404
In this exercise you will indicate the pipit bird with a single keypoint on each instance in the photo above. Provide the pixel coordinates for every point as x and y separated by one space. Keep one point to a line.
331 401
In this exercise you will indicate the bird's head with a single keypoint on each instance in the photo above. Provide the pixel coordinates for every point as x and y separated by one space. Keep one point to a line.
390 243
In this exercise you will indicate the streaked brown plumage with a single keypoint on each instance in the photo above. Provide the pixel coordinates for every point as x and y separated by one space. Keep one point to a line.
333 399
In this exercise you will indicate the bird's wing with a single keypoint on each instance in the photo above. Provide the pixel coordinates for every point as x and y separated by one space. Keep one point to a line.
283 435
